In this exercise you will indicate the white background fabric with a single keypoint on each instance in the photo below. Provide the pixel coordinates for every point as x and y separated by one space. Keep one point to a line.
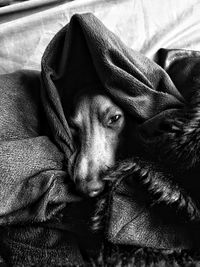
145 25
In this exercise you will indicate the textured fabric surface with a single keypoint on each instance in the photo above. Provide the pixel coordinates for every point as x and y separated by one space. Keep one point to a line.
36 145
33 184
31 165
144 25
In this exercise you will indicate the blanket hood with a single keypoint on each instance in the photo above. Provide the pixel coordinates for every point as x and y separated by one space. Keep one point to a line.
86 54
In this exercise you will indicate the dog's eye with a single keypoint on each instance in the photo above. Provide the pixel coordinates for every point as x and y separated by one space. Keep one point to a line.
114 119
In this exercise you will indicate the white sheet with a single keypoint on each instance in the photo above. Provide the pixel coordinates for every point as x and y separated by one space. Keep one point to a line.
144 25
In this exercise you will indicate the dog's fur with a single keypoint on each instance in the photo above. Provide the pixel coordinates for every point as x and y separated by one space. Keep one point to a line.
104 137
99 129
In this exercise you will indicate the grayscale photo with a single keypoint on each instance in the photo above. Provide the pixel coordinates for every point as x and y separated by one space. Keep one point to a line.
99 133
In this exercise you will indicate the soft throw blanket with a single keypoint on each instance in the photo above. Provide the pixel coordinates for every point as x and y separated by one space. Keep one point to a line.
37 196
143 89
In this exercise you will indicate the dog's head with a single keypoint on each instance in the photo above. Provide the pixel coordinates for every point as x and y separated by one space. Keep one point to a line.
97 124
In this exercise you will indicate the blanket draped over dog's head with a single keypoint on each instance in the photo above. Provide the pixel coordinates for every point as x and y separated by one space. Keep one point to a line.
86 54
35 148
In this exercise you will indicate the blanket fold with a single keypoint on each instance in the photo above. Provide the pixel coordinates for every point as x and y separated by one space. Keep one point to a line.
33 187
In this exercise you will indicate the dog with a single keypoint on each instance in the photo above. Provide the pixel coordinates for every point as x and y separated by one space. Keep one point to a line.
101 132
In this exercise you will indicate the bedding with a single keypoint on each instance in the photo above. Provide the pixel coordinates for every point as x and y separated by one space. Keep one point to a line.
146 26
9 2
43 220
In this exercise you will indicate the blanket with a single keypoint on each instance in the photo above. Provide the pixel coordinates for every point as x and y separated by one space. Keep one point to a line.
38 200
142 88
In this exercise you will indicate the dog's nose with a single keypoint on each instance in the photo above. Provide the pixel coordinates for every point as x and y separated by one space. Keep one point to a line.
95 190
90 189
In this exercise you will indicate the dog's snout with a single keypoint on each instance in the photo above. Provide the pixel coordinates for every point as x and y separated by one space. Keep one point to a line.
99 122
95 188
91 186
87 178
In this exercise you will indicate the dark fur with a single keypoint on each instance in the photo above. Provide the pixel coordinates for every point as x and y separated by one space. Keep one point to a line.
178 149
155 180
180 144
135 256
